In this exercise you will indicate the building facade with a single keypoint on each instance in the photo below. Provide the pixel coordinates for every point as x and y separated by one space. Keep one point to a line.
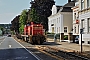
76 18
84 17
54 20
61 20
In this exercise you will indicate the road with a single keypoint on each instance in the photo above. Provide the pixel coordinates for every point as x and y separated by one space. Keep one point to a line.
12 50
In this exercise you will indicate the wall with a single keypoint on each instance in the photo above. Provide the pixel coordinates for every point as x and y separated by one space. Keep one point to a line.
68 20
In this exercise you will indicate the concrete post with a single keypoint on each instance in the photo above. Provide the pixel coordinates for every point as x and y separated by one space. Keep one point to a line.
61 37
70 37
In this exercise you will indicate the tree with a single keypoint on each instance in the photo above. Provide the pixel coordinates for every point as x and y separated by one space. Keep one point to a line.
23 20
33 16
15 24
2 29
43 10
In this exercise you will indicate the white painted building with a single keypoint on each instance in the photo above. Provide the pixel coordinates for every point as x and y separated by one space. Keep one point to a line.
76 19
54 20
84 17
61 21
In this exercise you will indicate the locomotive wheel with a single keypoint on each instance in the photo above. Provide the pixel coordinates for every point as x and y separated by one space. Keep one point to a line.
39 42
33 39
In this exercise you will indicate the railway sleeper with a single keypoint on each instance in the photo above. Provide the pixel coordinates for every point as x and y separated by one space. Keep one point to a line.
62 54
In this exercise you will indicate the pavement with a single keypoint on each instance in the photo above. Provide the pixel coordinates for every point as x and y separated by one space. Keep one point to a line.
1 37
71 46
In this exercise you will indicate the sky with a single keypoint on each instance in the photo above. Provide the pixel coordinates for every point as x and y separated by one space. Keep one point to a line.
9 9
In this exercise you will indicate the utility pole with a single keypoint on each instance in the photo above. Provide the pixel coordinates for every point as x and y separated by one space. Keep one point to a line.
81 32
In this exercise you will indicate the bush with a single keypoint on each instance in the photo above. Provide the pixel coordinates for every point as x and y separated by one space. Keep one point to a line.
65 37
50 33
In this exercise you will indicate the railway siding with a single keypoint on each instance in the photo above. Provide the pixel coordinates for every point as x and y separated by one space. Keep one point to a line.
57 52
63 54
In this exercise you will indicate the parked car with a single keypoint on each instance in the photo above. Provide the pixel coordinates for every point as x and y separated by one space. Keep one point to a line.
77 39
9 35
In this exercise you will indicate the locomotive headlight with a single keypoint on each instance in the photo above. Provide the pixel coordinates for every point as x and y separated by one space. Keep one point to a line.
37 25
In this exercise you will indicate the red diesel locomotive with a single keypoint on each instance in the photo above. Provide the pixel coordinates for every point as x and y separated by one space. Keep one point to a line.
34 33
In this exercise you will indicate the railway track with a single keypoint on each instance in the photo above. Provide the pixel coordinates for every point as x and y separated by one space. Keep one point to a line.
58 54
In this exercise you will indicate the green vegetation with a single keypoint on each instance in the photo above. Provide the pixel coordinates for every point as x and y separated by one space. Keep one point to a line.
65 37
33 16
50 33
38 12
23 20
1 30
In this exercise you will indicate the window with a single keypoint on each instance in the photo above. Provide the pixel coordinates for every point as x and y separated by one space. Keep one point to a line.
75 29
88 42
57 29
74 15
88 22
78 28
88 3
82 4
65 29
82 23
57 20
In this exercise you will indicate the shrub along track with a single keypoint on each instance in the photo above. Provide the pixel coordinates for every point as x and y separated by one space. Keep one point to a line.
47 52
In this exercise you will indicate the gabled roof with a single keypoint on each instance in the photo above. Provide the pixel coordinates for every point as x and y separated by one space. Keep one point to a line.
70 4
67 7
58 8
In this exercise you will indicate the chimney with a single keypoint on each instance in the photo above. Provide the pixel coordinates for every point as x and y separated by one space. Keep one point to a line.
69 1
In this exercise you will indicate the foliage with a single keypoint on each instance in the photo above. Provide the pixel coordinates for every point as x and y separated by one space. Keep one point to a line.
65 37
12 32
33 15
43 9
50 33
1 28
23 20
15 24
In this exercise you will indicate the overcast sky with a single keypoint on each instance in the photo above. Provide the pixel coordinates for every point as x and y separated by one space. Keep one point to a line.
11 8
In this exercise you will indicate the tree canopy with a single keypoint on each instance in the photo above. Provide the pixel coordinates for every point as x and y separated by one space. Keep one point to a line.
15 24
23 20
38 12
43 10
33 16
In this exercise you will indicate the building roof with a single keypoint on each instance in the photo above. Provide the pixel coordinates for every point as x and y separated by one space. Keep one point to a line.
58 8
67 7
70 4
